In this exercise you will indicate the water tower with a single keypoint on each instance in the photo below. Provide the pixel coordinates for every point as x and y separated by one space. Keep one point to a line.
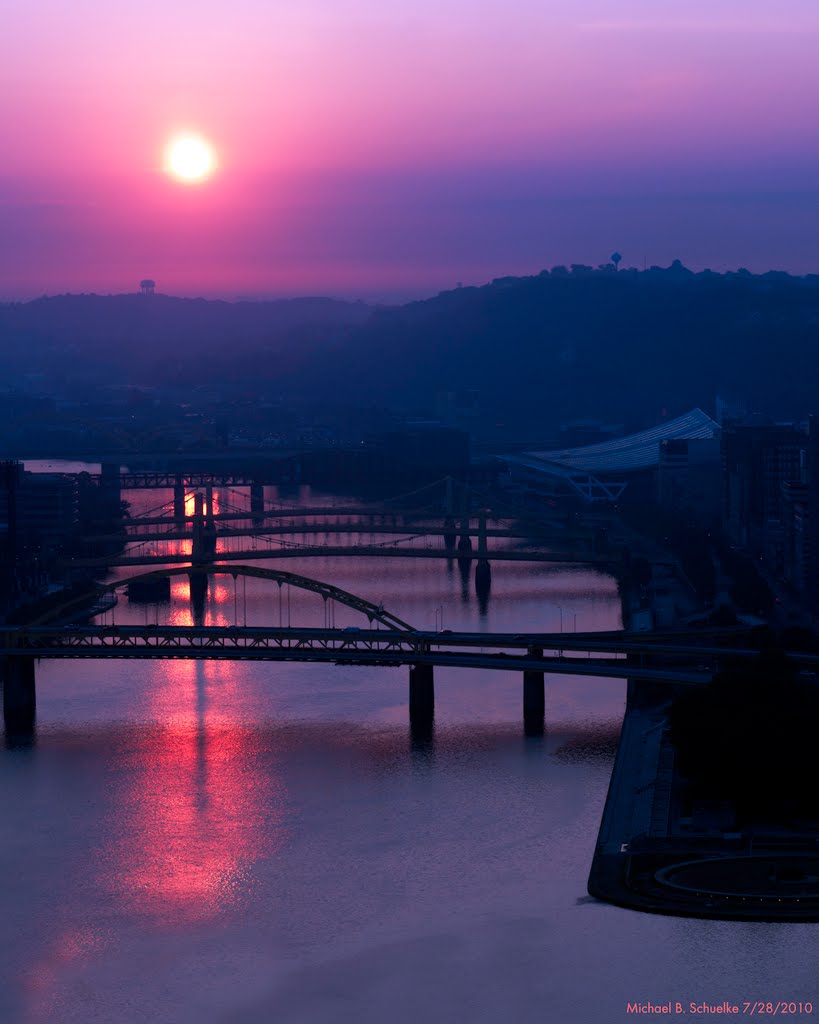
147 286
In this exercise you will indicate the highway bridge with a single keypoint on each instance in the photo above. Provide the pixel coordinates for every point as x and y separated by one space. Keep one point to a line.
669 659
674 658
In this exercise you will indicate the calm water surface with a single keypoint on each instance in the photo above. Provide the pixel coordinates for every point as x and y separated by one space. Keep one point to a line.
251 842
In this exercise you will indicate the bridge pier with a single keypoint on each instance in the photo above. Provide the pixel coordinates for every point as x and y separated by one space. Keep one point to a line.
483 577
421 696
450 534
534 698
199 593
19 694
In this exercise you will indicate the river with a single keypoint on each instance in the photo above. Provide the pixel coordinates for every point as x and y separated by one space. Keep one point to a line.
250 842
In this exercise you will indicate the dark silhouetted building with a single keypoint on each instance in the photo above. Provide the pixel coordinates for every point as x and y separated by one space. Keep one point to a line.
759 459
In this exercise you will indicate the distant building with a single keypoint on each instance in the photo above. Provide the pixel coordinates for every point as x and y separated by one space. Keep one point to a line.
800 520
424 449
798 555
759 459
689 478
46 506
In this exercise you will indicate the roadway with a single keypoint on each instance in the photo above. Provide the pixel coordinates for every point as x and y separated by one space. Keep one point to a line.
363 647
612 655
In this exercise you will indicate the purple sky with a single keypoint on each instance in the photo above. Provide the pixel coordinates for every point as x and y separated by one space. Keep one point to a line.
372 149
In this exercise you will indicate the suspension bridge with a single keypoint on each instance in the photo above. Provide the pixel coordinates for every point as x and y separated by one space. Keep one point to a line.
204 528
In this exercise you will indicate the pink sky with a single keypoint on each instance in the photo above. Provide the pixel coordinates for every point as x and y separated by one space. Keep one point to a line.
370 149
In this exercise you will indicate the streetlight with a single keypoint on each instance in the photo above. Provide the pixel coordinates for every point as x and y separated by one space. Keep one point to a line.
559 607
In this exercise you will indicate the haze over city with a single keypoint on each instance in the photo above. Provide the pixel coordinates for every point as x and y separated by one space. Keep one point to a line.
388 152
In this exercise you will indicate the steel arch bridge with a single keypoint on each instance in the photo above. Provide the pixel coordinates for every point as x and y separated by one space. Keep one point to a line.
328 592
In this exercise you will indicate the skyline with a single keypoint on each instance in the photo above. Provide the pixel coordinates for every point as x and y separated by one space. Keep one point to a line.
367 154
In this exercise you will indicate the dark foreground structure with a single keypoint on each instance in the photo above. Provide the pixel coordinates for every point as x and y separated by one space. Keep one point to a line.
650 856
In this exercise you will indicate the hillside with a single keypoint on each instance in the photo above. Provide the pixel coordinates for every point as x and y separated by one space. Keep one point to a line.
537 349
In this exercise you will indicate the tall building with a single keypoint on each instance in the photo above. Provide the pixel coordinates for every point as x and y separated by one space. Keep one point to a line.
688 478
758 460
801 520
40 507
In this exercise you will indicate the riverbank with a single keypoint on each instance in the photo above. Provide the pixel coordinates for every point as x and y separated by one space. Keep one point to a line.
656 853
652 856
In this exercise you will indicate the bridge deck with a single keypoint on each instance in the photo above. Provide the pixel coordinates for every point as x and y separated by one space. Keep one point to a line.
604 656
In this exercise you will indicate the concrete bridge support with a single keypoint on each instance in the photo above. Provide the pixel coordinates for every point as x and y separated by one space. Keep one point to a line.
421 696
19 694
199 593
534 699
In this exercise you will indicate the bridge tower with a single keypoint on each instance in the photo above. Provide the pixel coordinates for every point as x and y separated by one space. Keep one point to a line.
200 555
179 500
209 530
257 502
483 571
197 543
450 536
534 698
465 543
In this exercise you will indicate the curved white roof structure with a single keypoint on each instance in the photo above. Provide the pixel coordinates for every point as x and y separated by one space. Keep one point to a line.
581 468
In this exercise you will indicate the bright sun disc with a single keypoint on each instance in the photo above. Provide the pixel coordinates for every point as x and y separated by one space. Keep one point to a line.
190 158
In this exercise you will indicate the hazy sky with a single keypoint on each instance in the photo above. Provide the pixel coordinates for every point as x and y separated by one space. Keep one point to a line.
370 148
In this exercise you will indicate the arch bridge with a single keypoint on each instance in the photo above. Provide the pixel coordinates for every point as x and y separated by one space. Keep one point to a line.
674 658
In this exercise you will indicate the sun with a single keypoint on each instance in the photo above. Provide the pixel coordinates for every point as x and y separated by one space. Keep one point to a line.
190 158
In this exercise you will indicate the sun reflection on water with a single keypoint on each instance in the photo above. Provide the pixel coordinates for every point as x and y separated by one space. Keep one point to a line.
198 808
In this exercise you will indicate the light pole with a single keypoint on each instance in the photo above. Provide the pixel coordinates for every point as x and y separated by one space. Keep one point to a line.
559 607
